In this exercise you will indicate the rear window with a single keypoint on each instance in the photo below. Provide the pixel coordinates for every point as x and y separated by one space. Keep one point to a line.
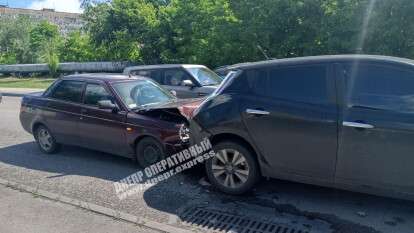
68 91
382 87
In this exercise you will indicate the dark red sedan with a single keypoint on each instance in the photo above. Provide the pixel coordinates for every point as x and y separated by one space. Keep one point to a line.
131 117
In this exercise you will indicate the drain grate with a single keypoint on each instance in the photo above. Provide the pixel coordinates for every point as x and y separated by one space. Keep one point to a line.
224 222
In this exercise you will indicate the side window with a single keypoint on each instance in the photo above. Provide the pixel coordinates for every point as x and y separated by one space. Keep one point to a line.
175 77
306 84
155 75
250 81
256 81
95 93
382 87
68 91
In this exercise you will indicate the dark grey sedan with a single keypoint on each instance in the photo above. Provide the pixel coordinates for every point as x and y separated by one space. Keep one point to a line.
186 81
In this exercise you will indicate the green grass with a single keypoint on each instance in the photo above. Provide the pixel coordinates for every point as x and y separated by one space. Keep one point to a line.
41 83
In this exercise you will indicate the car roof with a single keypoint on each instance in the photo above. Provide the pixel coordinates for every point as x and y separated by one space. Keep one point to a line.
321 59
161 66
107 77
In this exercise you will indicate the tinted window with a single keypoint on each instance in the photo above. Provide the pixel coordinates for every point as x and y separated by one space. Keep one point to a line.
380 86
95 93
175 77
155 75
303 84
68 91
250 81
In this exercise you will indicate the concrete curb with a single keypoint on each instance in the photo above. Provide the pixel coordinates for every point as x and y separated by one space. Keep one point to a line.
19 92
143 222
12 94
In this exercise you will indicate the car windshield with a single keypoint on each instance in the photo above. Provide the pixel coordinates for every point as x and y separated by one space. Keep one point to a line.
142 94
205 76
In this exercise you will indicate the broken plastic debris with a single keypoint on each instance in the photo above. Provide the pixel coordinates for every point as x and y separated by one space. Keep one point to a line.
361 214
204 182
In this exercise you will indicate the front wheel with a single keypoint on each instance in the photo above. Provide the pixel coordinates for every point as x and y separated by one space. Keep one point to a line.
45 140
149 151
233 170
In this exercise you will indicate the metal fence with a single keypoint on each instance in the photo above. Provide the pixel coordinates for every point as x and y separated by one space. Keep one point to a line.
68 67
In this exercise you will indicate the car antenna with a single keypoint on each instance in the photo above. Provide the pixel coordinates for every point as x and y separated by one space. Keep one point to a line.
263 52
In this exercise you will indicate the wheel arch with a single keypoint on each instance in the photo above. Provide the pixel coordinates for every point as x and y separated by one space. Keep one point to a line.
36 125
237 139
140 137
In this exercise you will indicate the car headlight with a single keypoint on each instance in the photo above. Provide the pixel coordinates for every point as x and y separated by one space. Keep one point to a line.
184 133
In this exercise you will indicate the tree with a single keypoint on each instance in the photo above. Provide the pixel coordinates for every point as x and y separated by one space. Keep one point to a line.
390 30
115 38
77 47
15 41
44 43
43 37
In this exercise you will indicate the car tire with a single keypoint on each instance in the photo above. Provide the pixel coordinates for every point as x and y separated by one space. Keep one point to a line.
235 173
149 151
45 140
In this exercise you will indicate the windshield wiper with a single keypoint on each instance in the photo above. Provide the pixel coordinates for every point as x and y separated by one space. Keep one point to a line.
146 107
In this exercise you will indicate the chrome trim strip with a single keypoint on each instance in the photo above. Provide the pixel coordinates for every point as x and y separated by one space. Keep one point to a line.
256 112
357 125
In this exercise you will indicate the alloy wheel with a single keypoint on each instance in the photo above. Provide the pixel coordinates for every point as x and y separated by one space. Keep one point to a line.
45 139
230 168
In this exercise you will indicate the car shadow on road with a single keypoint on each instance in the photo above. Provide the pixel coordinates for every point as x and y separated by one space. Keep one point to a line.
69 161
183 194
305 205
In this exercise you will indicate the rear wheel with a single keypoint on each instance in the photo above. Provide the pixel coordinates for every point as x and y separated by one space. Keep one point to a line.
233 170
149 151
45 140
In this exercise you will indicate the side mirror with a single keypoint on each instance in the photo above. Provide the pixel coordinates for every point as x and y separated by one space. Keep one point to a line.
108 105
188 83
174 93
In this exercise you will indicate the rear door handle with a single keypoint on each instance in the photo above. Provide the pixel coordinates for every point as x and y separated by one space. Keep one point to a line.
357 125
256 112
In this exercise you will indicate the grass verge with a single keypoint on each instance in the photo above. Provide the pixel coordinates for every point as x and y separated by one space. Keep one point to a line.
40 83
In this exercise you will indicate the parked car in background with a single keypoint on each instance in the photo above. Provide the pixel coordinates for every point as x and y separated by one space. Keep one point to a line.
343 121
221 71
131 117
187 81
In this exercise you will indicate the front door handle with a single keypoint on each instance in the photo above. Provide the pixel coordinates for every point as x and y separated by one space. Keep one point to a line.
357 125
256 112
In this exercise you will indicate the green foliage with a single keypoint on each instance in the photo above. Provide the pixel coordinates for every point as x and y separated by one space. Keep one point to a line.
219 32
77 48
52 59
15 41
216 32
44 40
44 43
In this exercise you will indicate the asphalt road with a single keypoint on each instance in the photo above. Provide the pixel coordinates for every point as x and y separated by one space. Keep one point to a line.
89 175
22 212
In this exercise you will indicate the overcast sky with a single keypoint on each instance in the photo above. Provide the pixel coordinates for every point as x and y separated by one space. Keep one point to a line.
58 5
